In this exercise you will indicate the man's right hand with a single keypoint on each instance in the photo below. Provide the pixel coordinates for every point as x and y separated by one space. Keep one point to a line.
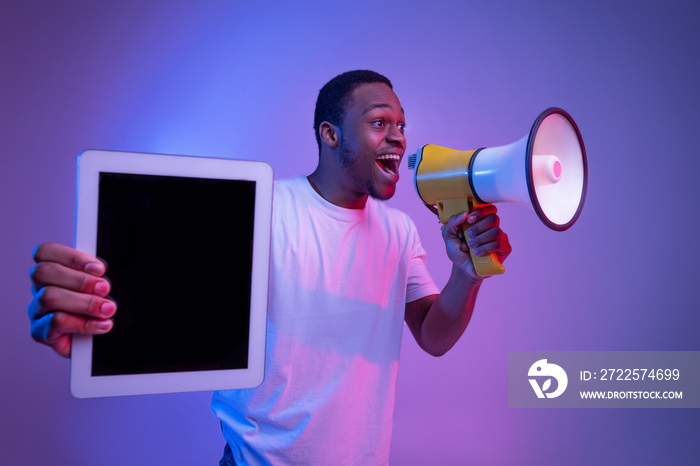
70 296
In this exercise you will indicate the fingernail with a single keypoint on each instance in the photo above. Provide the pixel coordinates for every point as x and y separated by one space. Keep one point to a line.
101 288
471 244
470 233
471 218
478 251
94 268
108 308
103 326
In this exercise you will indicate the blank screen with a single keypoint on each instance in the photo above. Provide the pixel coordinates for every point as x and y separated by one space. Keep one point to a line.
179 256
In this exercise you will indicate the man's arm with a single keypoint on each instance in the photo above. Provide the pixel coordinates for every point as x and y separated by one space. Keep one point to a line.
438 321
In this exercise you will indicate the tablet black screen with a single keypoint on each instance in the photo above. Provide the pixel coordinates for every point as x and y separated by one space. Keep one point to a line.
179 255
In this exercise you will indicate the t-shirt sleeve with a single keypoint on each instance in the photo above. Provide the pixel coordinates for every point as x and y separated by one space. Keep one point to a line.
420 284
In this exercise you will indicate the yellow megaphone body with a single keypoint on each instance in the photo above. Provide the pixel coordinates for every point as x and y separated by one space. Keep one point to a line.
545 170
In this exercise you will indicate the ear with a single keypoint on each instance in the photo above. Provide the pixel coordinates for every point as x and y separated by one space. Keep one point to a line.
329 134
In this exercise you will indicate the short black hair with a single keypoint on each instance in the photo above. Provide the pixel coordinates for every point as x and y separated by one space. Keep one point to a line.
334 97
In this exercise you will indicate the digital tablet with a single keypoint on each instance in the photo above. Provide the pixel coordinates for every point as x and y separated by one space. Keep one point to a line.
186 241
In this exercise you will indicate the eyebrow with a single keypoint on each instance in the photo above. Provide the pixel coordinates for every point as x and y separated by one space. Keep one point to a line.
382 105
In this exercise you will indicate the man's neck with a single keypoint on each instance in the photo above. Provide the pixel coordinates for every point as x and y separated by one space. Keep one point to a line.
331 190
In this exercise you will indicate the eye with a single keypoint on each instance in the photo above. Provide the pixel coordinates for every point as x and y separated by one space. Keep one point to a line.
402 127
378 123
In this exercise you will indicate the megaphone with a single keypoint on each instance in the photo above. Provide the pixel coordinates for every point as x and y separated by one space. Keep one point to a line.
546 170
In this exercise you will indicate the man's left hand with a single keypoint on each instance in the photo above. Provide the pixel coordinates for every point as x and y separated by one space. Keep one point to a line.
484 236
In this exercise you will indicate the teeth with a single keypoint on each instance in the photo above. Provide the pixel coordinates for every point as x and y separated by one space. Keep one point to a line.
387 167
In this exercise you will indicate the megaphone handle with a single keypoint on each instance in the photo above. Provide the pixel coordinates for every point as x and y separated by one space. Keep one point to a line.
486 265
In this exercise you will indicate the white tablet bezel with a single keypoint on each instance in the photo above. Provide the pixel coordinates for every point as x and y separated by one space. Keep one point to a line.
90 164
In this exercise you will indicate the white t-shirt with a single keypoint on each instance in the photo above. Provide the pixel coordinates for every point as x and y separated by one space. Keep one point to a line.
339 283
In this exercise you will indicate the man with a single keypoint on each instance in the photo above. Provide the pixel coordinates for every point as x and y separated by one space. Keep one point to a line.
346 271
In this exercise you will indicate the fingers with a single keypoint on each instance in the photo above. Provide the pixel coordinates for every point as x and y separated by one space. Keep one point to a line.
52 298
499 244
484 239
453 228
79 313
55 330
54 274
482 222
482 212
482 219
68 280
70 296
69 257
485 236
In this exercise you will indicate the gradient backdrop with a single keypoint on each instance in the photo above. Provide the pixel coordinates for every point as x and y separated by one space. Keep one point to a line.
239 79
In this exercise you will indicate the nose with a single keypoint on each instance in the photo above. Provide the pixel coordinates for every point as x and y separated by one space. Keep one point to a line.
396 136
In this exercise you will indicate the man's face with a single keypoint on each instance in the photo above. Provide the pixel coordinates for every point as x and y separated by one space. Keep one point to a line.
372 141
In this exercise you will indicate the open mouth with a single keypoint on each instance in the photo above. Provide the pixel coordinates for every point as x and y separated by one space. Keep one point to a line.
389 163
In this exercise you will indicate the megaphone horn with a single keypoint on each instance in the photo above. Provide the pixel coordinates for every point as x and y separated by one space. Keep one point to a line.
545 170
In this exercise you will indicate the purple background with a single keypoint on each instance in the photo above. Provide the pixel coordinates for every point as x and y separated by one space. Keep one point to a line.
239 79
